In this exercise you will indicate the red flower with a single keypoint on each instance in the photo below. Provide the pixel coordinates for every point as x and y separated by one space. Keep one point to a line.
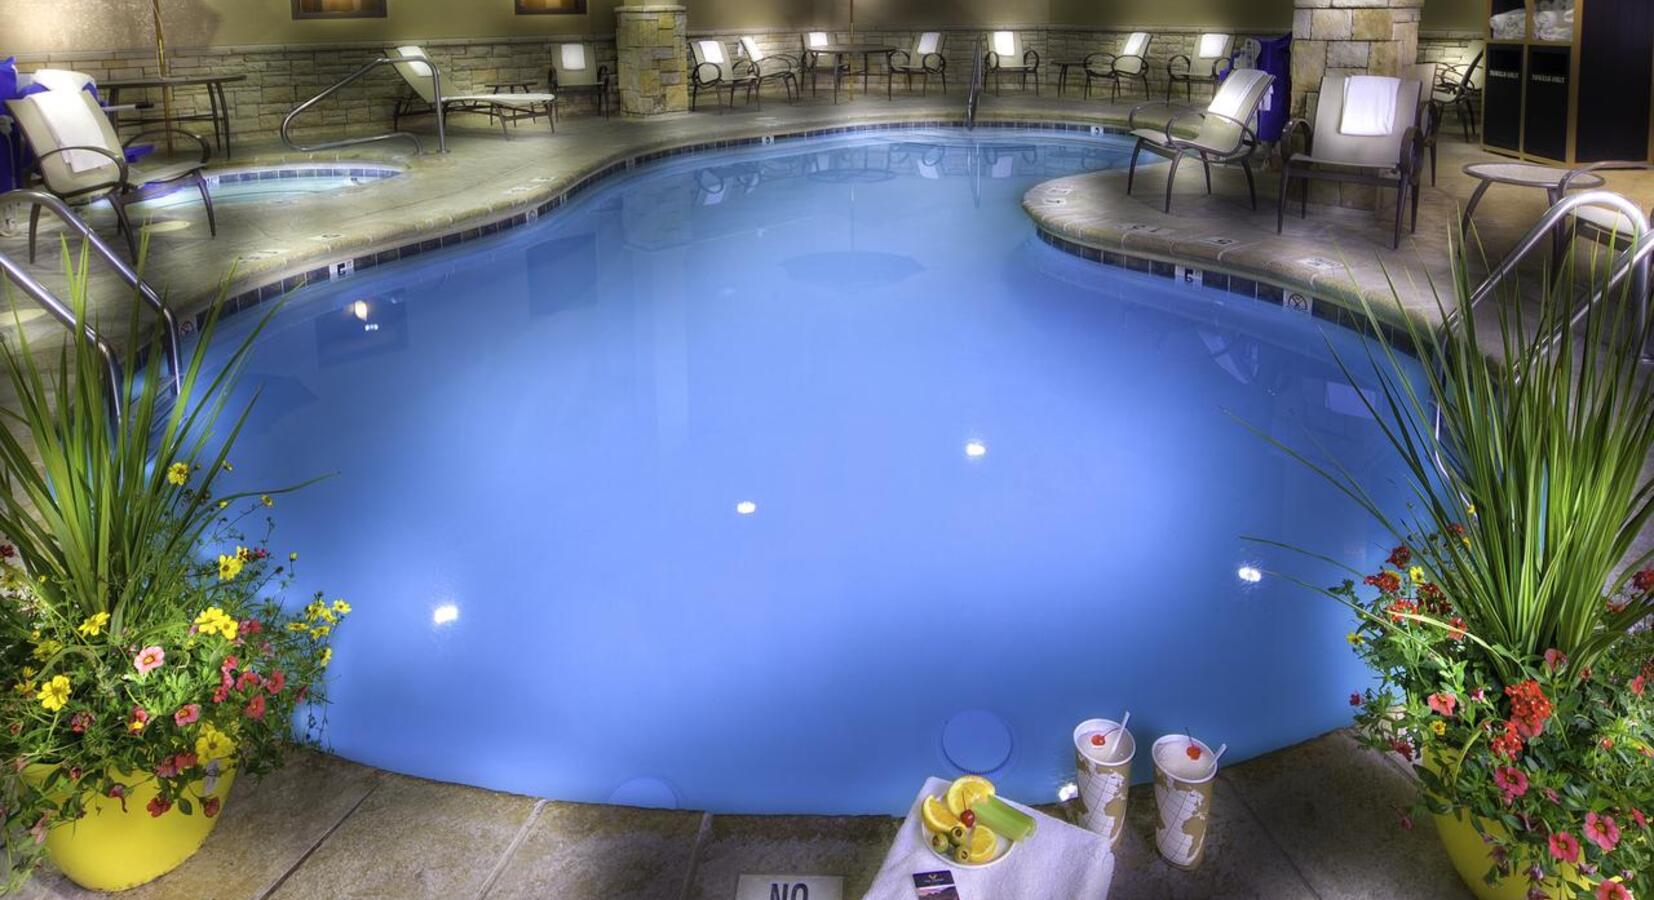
251 626
1442 704
220 695
79 722
138 720
1512 781
229 664
1529 707
1612 890
187 714
275 682
248 679
1355 699
1552 795
1638 685
1399 609
1402 747
7 551
255 707
1607 743
1507 744
1386 582
209 806
1478 695
1555 659
1406 822
1565 847
1602 831
1400 557
1642 581
159 805
1457 632
118 792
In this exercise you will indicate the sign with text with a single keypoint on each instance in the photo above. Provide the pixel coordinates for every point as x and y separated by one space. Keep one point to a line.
790 887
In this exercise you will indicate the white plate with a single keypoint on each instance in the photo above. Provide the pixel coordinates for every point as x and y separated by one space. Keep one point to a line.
1003 850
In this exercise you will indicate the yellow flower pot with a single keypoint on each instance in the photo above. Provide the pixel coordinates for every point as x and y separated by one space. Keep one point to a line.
111 849
1471 859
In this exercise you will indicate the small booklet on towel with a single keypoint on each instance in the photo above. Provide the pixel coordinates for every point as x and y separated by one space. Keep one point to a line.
935 885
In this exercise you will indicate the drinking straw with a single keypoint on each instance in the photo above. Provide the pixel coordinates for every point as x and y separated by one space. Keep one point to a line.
1219 755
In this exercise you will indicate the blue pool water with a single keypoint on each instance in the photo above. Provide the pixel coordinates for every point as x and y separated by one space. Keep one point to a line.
776 480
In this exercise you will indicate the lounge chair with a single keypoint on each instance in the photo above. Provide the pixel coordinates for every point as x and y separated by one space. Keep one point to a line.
1006 54
924 60
1224 135
507 108
1131 62
80 160
1371 140
1211 62
771 68
1455 86
712 69
574 70
1430 115
815 62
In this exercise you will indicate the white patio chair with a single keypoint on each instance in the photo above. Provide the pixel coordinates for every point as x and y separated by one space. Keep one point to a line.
1006 54
1131 62
712 69
1211 62
574 69
1224 134
924 60
771 68
507 108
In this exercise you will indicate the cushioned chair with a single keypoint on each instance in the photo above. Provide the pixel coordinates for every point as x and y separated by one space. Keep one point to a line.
924 60
1455 86
79 159
1007 55
574 70
1211 62
1223 133
416 70
770 68
711 68
1132 62
1354 144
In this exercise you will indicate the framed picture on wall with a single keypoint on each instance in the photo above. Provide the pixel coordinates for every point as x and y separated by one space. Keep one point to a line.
339 9
551 7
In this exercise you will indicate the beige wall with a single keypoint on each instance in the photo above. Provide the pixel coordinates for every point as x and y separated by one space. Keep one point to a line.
1254 15
1454 15
36 26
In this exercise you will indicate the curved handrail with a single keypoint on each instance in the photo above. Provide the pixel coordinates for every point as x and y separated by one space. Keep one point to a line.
1543 228
127 274
436 91
49 302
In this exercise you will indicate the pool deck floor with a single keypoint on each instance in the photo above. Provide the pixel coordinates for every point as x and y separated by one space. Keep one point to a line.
1317 820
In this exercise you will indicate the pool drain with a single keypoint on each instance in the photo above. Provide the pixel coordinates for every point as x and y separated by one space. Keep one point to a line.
977 740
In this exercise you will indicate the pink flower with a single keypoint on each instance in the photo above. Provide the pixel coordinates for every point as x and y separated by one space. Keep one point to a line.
1478 695
255 707
1602 831
1565 847
1443 703
79 722
1638 817
138 720
275 682
149 659
1512 781
1644 580
1552 795
229 664
158 806
1612 890
187 715
248 679
1555 659
1638 685
209 807
1406 822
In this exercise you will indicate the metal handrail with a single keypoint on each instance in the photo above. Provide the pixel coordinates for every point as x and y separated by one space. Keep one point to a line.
127 274
973 95
49 302
436 92
1543 228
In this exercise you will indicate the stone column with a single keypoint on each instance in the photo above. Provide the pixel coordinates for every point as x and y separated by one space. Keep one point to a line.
651 67
1349 37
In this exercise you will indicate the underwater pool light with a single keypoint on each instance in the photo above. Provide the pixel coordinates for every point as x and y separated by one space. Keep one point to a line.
746 507
444 614
974 449
359 309
1249 574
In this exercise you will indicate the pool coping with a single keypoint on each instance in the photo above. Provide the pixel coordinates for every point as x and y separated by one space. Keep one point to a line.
1337 301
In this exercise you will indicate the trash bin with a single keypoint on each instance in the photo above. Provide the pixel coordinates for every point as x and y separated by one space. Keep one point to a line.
1275 57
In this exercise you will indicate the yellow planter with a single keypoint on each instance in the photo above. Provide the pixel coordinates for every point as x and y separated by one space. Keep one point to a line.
112 850
1472 859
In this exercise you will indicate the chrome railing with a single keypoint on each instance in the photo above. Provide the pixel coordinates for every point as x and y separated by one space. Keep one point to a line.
973 94
127 274
436 93
61 312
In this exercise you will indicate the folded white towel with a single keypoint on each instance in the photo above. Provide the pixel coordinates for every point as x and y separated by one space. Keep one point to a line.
574 57
73 123
1058 861
1369 105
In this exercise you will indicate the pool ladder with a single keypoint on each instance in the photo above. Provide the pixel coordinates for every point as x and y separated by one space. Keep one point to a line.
973 93
436 94
65 315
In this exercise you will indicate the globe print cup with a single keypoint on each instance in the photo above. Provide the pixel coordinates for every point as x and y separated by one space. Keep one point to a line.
1103 752
1183 771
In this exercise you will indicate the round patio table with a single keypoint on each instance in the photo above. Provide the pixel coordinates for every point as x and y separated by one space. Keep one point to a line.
841 52
1062 72
1526 175
219 104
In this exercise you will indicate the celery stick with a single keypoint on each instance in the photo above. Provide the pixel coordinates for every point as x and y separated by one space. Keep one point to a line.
1003 818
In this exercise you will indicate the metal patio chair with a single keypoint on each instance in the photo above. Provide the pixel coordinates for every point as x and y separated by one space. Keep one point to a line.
924 60
771 68
1224 134
1351 150
1132 62
1455 86
1007 55
712 69
574 70
1211 62
815 62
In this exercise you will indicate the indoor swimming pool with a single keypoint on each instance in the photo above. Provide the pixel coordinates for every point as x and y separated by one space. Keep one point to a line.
774 480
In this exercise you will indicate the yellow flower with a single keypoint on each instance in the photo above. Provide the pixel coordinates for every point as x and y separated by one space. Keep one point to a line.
295 627
320 631
341 607
213 620
25 687
229 566
1416 573
267 500
1355 640
54 694
1438 727
178 473
293 557
223 504
317 610
325 657
93 626
46 648
211 744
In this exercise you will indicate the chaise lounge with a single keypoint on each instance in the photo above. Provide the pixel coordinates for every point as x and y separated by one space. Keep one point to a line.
417 70
1224 135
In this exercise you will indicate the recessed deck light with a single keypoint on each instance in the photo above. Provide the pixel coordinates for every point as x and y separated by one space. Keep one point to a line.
444 614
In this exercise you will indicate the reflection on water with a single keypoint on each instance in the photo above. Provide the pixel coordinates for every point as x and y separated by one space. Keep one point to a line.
737 481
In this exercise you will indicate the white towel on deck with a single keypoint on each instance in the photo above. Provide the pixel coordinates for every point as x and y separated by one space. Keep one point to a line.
72 124
1369 105
1058 861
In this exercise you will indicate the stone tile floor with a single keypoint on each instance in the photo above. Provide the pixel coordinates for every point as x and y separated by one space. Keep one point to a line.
1316 820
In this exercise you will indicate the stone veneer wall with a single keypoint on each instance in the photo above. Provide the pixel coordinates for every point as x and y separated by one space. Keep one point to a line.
281 76
1350 37
653 62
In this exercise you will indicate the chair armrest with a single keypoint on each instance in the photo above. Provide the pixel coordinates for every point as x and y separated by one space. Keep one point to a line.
1412 152
119 160
1030 57
941 62
206 151
990 60
890 57
1297 125
1612 165
699 79
1131 118
1247 139
743 68
1099 56
1228 67
1188 65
